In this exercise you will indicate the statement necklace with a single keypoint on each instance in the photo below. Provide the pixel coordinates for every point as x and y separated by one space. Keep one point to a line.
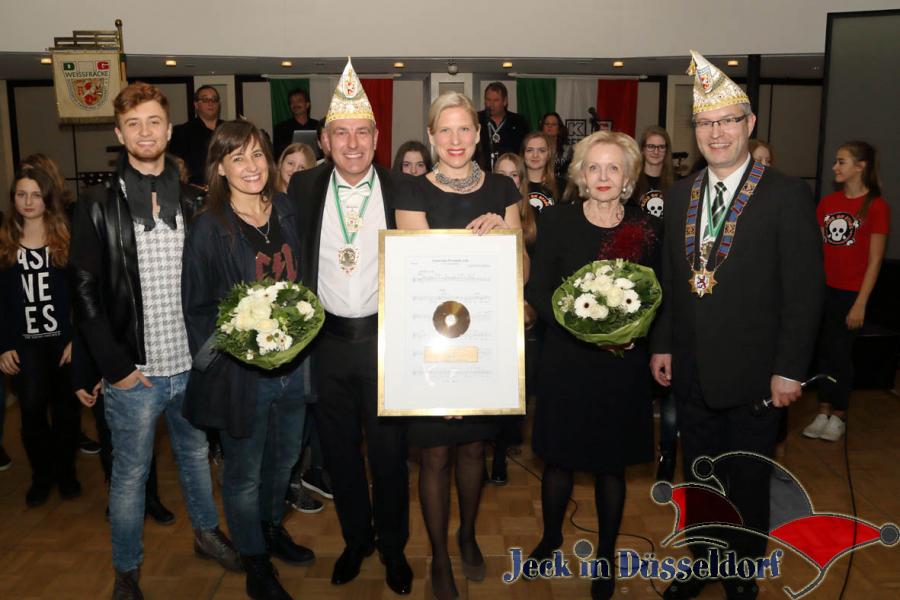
459 185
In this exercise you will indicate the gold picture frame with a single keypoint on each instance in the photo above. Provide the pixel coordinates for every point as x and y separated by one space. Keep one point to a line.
448 343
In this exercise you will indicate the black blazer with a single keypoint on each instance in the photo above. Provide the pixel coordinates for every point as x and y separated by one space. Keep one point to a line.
307 191
762 316
216 258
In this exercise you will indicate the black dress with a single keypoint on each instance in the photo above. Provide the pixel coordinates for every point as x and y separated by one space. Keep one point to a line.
445 210
594 411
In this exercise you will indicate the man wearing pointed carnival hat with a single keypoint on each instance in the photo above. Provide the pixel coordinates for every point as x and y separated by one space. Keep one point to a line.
743 286
341 207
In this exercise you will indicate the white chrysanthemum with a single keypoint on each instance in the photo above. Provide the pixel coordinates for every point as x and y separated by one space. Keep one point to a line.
584 304
306 310
599 312
260 308
266 325
624 283
268 294
280 285
567 303
600 284
285 341
620 262
614 296
631 301
228 327
250 354
244 304
577 283
244 321
603 270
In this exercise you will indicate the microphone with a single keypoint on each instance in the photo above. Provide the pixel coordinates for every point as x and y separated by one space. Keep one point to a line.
757 407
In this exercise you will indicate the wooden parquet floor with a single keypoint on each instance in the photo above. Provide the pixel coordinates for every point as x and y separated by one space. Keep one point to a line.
61 550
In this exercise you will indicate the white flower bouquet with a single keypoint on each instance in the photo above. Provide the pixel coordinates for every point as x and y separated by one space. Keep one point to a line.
608 302
267 324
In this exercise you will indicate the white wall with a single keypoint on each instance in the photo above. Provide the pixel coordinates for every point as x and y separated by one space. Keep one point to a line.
647 106
407 114
258 105
589 28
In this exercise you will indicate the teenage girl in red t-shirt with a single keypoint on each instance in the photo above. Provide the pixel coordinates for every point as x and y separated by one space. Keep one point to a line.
855 222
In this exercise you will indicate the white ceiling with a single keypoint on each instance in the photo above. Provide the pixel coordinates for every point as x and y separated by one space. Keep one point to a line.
15 65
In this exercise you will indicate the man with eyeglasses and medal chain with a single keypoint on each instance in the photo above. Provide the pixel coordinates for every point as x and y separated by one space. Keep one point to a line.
743 286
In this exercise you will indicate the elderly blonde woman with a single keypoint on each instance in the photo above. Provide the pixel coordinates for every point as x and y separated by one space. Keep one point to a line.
594 410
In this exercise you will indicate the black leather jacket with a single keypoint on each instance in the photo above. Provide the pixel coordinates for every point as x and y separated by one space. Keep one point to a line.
107 295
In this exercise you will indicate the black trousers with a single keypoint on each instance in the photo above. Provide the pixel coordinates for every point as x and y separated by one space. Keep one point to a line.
346 371
709 432
50 411
836 348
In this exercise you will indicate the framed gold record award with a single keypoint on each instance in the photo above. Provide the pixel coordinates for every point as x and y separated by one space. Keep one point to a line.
450 323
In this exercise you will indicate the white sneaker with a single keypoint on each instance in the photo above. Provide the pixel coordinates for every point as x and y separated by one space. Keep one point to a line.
814 430
834 430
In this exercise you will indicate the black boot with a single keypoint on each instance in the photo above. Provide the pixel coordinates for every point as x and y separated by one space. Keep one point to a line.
262 579
215 545
603 589
126 586
280 545
156 510
667 456
42 473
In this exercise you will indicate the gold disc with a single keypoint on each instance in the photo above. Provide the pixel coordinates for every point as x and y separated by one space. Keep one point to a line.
451 319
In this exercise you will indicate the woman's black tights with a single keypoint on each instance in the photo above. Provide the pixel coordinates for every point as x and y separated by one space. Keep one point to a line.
609 500
434 495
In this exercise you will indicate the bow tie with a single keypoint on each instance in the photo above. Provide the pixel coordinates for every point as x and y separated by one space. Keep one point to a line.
351 192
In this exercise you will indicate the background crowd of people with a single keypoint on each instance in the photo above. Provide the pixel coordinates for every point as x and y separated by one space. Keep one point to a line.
112 301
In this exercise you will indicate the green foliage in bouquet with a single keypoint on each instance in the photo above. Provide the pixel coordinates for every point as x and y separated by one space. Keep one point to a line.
267 324
608 302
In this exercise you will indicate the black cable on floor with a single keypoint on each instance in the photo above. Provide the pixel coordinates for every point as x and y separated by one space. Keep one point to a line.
852 502
587 529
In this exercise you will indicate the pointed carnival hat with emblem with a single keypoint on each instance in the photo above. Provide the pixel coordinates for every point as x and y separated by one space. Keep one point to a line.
349 100
712 88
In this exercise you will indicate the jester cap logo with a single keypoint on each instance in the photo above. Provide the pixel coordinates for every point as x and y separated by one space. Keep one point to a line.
817 537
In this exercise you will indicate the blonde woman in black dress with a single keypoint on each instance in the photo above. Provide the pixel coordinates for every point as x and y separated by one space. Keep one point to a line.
455 195
594 411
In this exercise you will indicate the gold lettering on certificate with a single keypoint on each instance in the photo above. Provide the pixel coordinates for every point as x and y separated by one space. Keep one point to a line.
459 354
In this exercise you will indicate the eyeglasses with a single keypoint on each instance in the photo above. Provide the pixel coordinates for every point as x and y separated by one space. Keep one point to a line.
655 147
726 122
208 100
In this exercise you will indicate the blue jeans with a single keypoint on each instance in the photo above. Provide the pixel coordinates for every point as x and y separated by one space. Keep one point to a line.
131 415
258 467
